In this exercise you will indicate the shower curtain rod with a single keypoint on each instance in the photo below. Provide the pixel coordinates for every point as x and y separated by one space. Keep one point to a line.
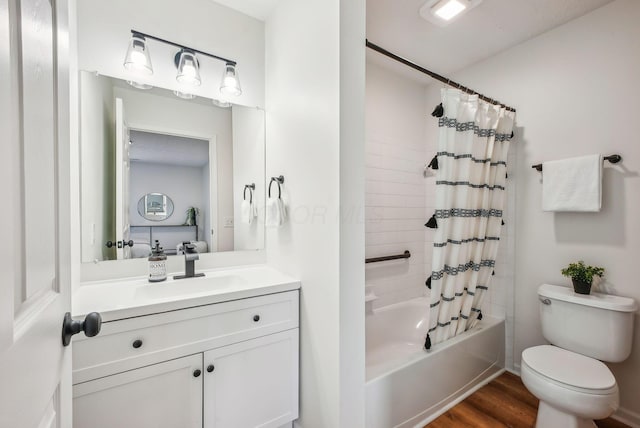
436 76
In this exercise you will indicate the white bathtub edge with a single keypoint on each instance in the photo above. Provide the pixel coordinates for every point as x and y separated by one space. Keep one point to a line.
424 389
483 379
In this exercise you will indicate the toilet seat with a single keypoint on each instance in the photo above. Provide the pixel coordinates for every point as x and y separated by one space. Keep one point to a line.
570 370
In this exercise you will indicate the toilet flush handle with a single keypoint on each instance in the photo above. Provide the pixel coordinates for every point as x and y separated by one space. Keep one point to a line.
545 301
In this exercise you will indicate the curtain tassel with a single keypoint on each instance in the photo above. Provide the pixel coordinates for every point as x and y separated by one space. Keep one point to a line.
427 343
438 111
428 283
434 162
493 273
503 222
479 315
512 134
432 223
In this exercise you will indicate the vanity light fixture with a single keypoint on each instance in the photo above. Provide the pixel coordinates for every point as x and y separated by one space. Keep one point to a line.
188 68
137 58
139 85
443 12
186 60
230 84
221 103
184 95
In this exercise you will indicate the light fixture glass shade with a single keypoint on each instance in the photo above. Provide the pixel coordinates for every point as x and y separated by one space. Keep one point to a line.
230 84
221 103
188 68
184 95
139 85
137 58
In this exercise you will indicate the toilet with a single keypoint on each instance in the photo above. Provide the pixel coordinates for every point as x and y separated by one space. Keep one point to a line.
568 377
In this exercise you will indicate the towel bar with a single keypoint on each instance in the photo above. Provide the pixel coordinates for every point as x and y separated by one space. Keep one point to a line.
404 255
611 158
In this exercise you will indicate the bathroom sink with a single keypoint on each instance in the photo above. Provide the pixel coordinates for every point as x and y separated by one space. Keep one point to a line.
171 288
134 297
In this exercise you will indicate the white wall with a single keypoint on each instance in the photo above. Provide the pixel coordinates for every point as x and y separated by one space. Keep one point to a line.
396 201
97 155
248 167
576 91
314 139
104 30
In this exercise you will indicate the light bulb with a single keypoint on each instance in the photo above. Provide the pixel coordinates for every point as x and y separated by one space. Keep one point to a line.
230 84
137 58
188 72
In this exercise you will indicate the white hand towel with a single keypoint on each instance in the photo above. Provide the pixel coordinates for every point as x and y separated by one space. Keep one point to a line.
283 210
254 210
246 212
275 213
573 184
271 214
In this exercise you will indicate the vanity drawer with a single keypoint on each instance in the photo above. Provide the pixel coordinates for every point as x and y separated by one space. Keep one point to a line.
135 342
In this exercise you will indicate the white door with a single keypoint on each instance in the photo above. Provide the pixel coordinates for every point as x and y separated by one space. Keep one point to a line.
35 386
253 383
123 225
164 395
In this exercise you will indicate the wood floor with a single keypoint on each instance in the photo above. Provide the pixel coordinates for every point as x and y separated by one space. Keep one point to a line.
505 402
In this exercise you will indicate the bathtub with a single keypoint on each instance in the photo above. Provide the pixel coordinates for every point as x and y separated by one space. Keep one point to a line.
406 386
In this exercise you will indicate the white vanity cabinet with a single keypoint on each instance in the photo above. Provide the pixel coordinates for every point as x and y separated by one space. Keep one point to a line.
223 365
156 396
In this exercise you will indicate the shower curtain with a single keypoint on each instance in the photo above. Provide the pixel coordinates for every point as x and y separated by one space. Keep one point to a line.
470 192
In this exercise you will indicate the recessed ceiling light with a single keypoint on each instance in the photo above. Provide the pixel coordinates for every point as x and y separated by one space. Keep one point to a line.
442 12
447 9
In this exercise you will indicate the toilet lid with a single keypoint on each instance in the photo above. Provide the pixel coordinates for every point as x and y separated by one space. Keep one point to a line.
569 368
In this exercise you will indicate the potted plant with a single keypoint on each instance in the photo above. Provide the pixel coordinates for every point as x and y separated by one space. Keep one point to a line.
582 276
192 213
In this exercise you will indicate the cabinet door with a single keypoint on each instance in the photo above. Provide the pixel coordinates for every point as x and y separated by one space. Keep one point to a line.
165 395
253 383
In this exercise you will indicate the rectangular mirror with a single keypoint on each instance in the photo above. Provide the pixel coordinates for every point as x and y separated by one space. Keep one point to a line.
167 153
155 166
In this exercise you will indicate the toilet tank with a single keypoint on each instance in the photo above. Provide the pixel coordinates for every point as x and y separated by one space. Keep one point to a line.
597 325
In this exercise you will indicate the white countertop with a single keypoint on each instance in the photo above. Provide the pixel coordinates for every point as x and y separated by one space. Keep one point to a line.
133 297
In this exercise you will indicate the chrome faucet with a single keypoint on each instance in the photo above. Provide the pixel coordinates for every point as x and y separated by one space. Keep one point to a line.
190 257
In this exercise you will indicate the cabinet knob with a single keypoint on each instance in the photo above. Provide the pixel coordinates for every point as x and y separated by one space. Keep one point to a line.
137 343
210 368
256 318
197 373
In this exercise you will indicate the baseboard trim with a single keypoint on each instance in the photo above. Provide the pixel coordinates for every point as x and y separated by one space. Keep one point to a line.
628 417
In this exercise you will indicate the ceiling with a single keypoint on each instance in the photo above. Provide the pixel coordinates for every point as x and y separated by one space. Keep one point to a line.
489 28
164 149
258 9
486 30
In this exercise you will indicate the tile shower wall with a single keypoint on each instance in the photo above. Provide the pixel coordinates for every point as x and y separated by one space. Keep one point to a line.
396 202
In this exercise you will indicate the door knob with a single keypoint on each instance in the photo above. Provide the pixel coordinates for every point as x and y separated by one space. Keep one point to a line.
91 326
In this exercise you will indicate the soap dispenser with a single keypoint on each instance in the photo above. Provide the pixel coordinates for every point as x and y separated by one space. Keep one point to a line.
157 264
